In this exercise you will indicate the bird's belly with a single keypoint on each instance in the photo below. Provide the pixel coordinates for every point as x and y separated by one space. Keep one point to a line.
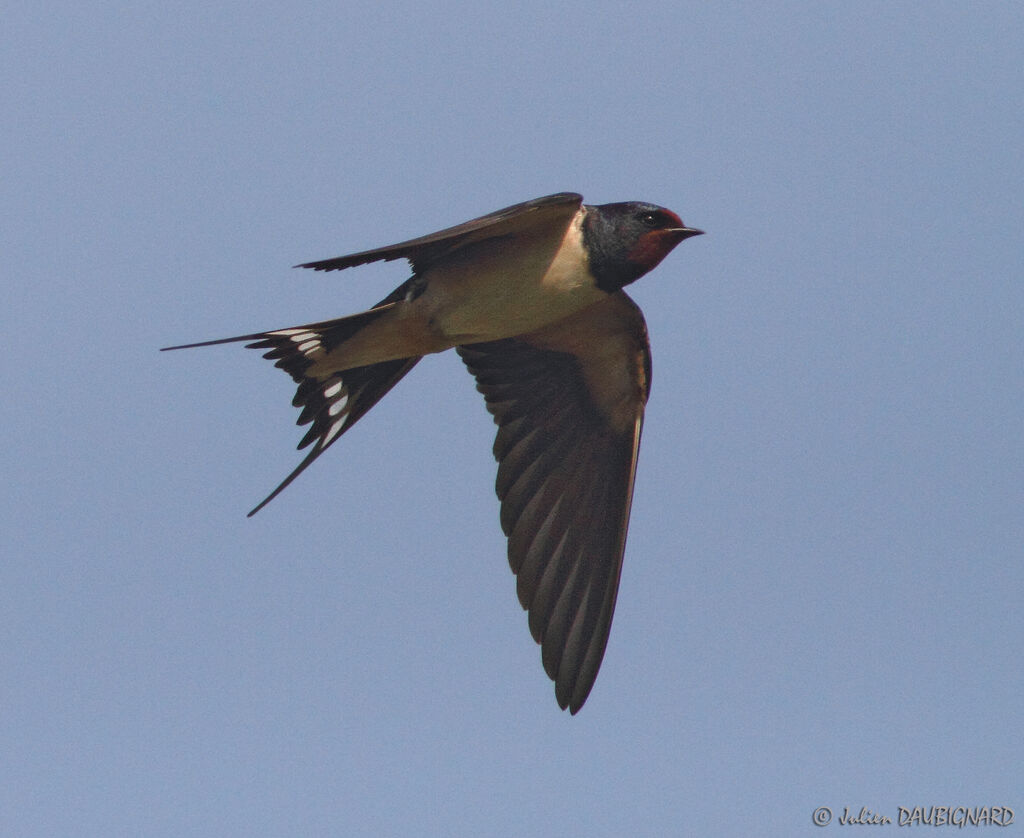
507 287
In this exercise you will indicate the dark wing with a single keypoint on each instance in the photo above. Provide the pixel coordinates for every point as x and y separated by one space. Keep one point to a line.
424 250
332 404
569 405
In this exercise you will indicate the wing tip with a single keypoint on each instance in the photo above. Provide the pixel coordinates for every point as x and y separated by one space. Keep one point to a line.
573 703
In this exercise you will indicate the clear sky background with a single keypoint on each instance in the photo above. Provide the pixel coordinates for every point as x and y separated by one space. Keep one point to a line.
821 600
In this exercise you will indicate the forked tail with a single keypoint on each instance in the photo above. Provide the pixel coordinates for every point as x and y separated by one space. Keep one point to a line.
332 403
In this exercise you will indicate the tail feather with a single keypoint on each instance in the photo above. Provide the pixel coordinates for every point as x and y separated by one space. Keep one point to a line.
333 403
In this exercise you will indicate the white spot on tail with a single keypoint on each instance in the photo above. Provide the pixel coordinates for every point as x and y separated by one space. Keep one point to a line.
334 389
334 431
338 406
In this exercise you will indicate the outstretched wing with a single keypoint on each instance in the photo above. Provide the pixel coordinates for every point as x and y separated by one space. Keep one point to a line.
422 251
568 402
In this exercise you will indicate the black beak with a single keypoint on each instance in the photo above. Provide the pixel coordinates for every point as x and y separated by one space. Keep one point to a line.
686 232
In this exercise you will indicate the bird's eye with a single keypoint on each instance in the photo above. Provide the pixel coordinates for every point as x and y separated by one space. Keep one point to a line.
649 219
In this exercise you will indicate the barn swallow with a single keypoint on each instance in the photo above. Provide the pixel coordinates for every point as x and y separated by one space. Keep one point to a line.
531 298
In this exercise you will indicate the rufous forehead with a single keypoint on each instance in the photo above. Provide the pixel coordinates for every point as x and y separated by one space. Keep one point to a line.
675 218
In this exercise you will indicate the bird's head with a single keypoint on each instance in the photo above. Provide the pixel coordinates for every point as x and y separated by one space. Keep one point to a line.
625 241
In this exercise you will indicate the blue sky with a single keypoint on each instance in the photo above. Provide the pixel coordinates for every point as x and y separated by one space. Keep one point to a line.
820 604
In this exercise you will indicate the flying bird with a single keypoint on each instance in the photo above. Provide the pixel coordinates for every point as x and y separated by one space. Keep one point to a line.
531 298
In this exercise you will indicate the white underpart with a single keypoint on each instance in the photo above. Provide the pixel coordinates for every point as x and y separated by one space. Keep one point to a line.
509 286
494 288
